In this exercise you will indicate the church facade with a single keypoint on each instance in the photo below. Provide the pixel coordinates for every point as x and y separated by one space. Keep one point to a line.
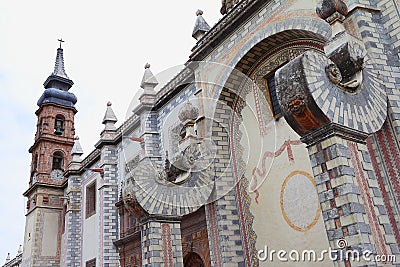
277 144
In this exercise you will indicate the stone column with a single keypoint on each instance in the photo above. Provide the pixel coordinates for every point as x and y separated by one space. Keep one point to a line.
108 192
73 221
161 242
73 213
228 222
351 202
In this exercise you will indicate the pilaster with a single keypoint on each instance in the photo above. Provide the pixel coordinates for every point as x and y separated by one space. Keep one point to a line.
73 221
108 194
161 242
351 202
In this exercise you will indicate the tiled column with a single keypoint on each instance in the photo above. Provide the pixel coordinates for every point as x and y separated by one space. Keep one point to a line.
350 199
161 242
226 221
73 219
108 192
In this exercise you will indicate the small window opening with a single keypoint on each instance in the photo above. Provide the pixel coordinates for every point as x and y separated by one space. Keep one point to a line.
90 200
58 161
59 125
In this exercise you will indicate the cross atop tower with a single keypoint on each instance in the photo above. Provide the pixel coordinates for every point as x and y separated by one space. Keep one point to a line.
61 41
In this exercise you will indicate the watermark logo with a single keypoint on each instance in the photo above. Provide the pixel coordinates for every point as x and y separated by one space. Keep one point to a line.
310 255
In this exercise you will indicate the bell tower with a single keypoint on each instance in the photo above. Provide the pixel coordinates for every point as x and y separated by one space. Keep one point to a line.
50 151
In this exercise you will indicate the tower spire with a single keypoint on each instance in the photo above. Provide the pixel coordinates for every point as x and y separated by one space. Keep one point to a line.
59 78
59 66
58 84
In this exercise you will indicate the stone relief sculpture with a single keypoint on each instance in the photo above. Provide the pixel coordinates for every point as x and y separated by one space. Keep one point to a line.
179 187
317 89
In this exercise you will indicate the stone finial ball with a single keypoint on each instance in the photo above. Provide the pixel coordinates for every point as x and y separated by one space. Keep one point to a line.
147 66
109 104
199 12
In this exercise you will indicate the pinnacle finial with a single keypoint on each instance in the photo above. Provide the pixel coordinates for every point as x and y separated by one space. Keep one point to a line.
109 117
200 27
76 154
77 148
59 78
149 82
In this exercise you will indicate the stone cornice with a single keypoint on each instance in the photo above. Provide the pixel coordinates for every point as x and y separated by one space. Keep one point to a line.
35 186
333 129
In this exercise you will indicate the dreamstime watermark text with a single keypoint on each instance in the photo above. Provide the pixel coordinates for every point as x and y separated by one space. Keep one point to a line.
310 255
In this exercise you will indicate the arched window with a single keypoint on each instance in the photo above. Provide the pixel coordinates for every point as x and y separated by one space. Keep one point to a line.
58 161
59 125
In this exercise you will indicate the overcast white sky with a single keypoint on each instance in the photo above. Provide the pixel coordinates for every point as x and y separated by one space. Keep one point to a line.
106 47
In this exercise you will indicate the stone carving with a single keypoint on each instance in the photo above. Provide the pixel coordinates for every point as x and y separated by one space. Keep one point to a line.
227 5
303 115
172 172
196 157
297 106
333 73
327 8
346 51
336 88
129 198
295 90
349 56
180 186
174 137
188 112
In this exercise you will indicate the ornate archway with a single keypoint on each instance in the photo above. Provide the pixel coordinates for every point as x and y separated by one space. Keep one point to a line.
260 61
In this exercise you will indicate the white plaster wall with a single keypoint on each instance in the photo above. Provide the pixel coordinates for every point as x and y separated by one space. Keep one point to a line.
51 223
280 195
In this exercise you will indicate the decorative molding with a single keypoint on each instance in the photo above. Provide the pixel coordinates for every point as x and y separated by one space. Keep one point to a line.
167 245
282 204
333 129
